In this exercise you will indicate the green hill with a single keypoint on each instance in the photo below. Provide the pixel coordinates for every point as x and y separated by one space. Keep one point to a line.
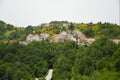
70 61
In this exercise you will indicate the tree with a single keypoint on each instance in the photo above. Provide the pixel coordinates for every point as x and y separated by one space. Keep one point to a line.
83 26
14 35
10 27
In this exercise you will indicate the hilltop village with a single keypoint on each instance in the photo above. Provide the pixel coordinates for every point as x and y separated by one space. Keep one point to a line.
59 31
76 36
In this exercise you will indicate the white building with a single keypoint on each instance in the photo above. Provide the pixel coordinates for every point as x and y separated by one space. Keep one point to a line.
117 41
44 36
63 33
32 37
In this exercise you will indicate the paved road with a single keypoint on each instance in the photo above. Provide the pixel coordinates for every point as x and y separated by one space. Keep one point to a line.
49 75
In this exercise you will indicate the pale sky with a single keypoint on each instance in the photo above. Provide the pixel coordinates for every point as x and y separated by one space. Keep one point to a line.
35 12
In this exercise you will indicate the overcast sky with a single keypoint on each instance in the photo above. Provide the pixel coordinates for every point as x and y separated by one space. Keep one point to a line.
35 12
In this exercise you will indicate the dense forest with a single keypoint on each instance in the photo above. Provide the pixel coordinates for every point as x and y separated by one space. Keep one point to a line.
70 61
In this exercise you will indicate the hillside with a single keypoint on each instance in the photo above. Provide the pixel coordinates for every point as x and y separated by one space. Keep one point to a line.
9 32
75 51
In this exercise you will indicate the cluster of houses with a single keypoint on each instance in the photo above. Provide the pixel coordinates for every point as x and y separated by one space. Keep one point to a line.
64 36
76 36
81 38
35 37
